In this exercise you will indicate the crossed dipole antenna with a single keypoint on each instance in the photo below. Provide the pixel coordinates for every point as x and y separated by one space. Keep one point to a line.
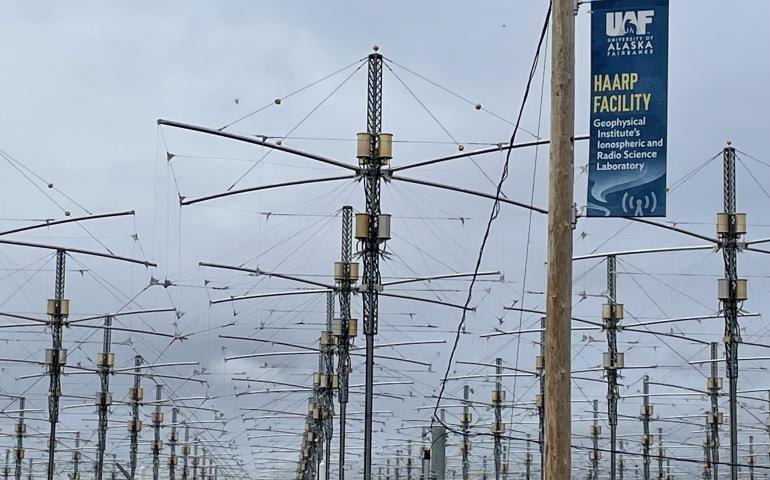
374 151
58 312
374 154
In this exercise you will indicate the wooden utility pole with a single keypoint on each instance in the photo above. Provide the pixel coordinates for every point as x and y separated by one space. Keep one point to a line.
560 225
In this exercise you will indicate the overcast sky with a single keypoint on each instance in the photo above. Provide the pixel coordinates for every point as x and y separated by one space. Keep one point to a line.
83 85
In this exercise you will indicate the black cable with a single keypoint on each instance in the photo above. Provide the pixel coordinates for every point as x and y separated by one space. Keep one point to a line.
493 214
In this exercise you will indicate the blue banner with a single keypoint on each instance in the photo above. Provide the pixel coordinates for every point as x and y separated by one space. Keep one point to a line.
629 100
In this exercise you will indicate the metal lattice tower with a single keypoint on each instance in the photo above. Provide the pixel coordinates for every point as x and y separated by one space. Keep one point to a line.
76 458
767 419
465 448
661 454
328 406
195 459
730 227
714 417
595 430
185 452
371 172
409 460
135 395
528 459
612 314
202 464
172 441
21 430
157 443
343 329
646 413
105 360
499 428
708 466
58 309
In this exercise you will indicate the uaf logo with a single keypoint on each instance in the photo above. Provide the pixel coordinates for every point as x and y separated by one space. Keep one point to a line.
628 23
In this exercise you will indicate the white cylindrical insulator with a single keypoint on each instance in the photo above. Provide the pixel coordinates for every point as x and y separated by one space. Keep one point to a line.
383 227
385 150
362 226
363 146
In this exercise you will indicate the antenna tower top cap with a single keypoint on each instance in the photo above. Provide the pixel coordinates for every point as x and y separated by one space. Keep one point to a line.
729 142
376 47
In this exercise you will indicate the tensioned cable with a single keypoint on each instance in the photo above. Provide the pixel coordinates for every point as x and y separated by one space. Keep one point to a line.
438 122
692 173
289 95
751 174
529 237
457 95
493 214
19 165
21 168
649 297
298 124
753 157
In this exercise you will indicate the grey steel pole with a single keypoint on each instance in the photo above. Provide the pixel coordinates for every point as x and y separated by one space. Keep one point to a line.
195 459
409 460
646 412
343 328
611 316
135 396
751 457
561 214
7 469
105 360
714 417
371 172
499 428
76 458
203 465
767 419
21 430
425 455
621 462
661 454
595 429
528 460
729 242
465 424
56 357
438 450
